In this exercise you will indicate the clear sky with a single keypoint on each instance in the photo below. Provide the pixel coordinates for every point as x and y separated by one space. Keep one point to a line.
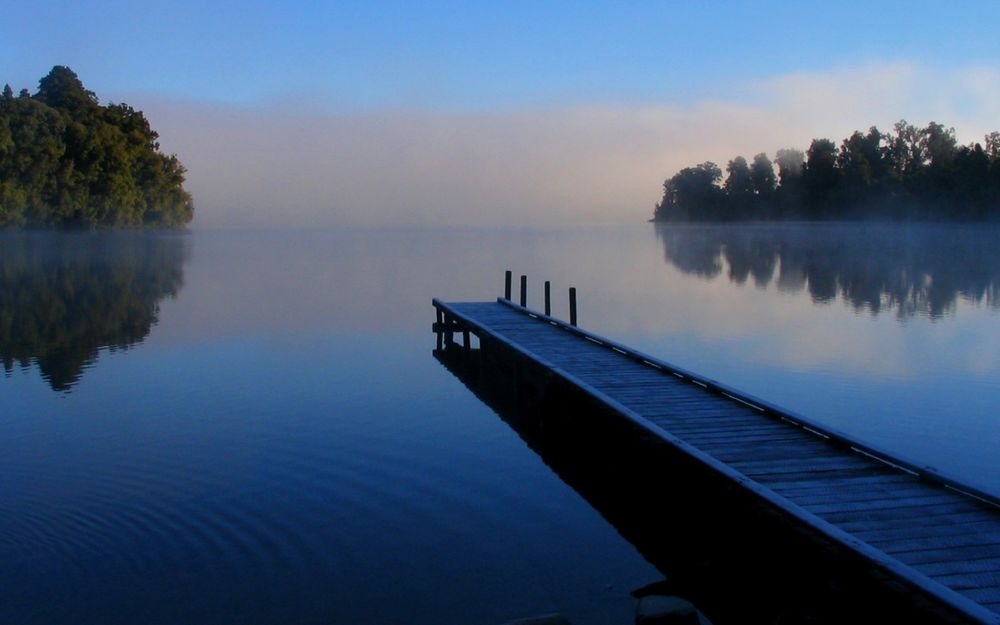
482 72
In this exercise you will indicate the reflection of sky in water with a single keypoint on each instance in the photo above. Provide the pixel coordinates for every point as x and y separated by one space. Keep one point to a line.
904 317
291 374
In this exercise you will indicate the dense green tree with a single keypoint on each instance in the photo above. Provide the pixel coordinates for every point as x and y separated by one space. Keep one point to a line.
739 187
66 160
908 173
790 163
692 191
819 178
940 145
906 150
863 171
972 190
762 176
788 199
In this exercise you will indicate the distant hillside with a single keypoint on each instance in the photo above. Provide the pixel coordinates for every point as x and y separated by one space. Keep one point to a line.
909 173
67 161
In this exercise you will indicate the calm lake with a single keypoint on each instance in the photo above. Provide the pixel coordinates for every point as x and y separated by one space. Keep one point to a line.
250 426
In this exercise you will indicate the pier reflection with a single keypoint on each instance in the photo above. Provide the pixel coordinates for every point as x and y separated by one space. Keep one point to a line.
914 269
65 296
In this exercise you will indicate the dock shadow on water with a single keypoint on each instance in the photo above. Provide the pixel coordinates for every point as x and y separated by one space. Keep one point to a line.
908 270
735 560
66 296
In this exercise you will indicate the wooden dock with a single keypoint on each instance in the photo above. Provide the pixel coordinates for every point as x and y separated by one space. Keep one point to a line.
935 537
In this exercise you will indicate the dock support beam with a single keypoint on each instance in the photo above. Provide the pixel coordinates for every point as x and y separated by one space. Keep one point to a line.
548 299
506 287
572 306
524 291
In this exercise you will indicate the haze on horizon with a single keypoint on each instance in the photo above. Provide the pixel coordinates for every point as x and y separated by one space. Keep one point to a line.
517 115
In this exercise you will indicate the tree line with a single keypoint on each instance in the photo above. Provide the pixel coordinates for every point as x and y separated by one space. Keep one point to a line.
68 161
908 173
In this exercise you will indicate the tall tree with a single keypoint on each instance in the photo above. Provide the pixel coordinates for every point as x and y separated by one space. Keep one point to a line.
762 176
692 193
863 170
906 150
63 89
819 178
739 187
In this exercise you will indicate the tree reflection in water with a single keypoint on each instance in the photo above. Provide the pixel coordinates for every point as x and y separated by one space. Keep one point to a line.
64 296
914 269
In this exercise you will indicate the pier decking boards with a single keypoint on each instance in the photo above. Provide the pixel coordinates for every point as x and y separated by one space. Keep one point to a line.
935 535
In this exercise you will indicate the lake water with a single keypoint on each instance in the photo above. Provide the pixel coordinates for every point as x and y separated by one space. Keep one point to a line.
250 427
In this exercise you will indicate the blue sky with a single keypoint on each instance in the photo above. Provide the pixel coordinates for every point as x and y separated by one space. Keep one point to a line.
474 56
322 113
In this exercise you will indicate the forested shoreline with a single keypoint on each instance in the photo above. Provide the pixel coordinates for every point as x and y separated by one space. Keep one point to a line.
67 161
909 173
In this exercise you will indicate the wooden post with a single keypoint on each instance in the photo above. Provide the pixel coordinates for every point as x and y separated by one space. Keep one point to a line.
548 299
440 329
506 287
449 335
572 306
524 290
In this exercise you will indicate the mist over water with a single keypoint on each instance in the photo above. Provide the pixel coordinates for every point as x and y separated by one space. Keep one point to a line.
250 426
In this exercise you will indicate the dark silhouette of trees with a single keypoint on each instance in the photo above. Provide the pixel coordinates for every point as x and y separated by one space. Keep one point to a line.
738 187
693 187
907 173
762 178
820 178
67 161
64 296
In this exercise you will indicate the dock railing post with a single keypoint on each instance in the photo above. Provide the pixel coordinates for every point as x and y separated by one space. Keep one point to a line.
572 306
524 291
506 287
548 299
449 331
440 329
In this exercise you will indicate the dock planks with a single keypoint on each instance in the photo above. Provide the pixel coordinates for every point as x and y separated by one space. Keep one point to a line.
939 536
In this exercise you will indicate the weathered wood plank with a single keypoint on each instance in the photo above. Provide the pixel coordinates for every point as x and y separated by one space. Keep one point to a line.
879 535
959 567
820 495
871 479
904 505
771 467
940 541
892 525
738 453
725 426
701 416
869 470
731 427
905 513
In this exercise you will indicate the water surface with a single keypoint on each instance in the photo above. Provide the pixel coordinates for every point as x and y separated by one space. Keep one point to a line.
249 426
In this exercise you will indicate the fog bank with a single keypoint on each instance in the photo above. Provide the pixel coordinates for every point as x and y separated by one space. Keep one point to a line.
284 164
